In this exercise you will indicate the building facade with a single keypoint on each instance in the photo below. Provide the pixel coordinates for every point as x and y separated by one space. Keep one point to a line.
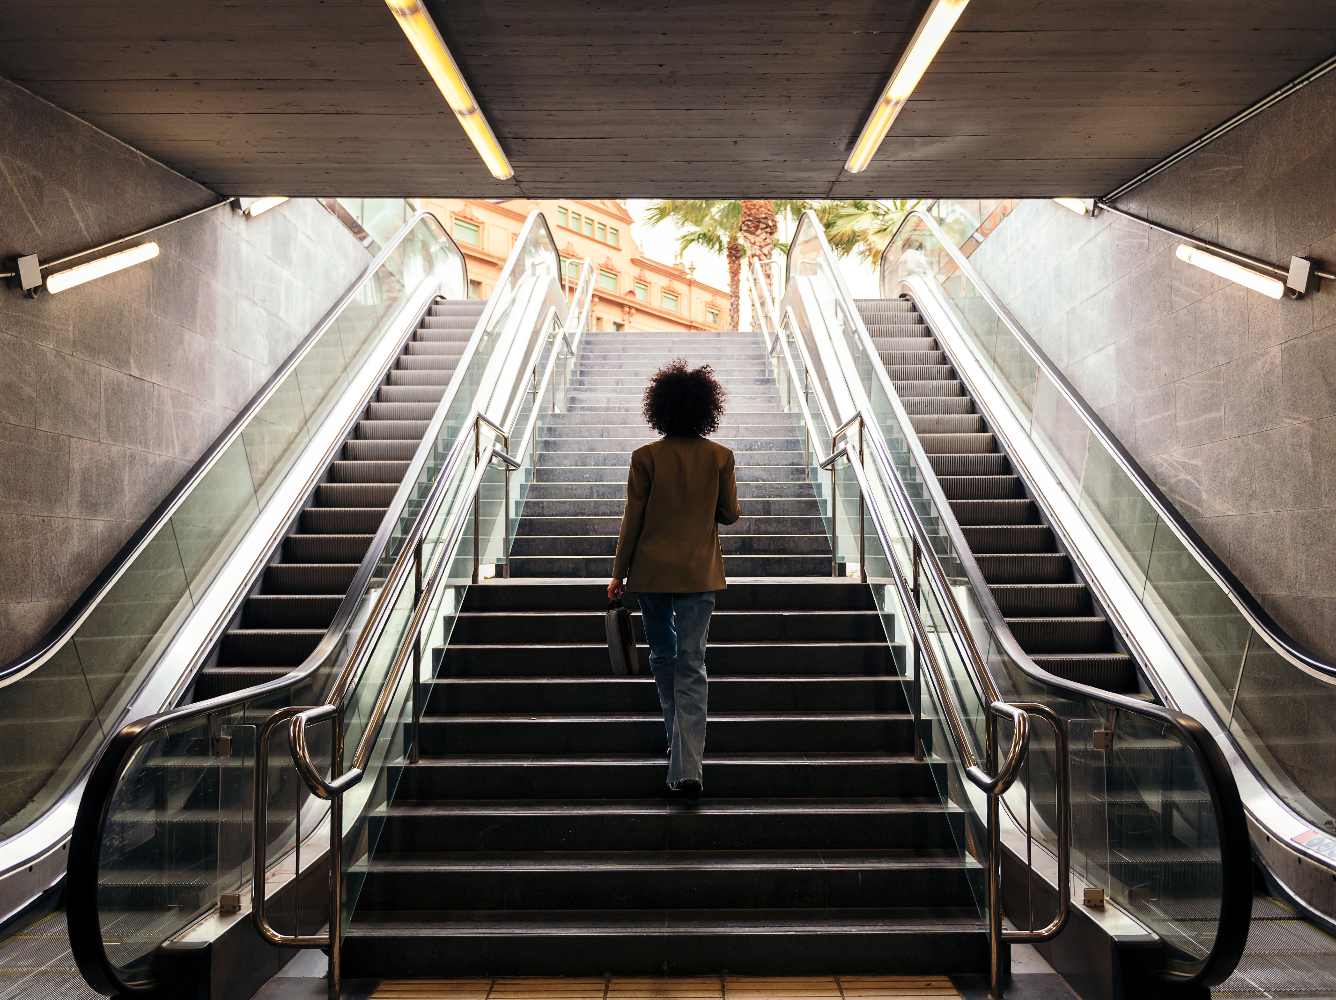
631 291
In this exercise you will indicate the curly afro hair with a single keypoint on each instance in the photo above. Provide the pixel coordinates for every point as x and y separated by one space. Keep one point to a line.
684 402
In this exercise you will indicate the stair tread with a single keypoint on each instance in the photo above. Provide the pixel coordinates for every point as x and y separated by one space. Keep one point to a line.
449 923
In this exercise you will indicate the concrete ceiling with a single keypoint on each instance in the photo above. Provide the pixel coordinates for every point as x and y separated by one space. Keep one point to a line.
598 98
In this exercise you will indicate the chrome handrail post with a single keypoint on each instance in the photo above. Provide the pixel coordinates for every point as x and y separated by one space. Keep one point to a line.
505 497
916 689
414 746
834 516
862 514
477 501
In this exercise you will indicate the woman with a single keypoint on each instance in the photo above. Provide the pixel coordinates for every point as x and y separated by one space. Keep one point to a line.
679 489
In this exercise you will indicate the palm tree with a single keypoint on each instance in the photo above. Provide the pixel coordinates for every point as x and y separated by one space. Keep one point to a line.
722 227
863 227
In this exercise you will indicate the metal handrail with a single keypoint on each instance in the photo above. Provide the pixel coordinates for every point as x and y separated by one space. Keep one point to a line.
1257 616
409 646
1006 772
85 932
1236 892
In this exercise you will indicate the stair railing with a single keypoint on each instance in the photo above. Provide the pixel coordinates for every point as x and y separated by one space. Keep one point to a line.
906 557
218 734
424 590
1114 725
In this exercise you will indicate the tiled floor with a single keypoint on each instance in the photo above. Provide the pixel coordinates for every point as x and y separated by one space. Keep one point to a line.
1032 979
705 988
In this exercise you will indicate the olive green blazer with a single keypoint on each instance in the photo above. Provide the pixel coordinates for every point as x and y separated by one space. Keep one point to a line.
678 491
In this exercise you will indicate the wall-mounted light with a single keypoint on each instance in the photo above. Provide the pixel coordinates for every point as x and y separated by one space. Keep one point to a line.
258 206
101 267
931 33
1272 288
1081 206
426 39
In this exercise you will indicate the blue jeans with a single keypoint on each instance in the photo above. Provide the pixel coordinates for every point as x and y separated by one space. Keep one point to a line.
676 627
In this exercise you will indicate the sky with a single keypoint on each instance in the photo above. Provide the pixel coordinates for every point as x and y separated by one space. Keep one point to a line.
660 242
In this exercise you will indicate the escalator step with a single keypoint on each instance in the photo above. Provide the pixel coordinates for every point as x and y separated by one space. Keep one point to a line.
342 520
434 349
421 376
994 464
913 357
410 393
326 548
342 471
290 610
1110 671
936 387
981 487
401 411
947 423
904 343
211 682
248 647
395 430
969 443
970 512
308 578
1035 599
380 450
921 373
993 539
355 494
426 363
1027 567
1090 634
919 405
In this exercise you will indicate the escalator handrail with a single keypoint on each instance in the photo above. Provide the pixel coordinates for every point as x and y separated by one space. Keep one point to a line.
84 605
83 915
1231 823
1272 632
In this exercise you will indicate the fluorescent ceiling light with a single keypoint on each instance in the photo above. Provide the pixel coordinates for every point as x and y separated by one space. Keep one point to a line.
101 267
1272 288
931 33
430 46
1081 206
258 206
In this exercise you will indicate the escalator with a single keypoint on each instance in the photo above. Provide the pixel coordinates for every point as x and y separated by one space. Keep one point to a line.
284 618
241 596
1047 607
1100 584
1050 609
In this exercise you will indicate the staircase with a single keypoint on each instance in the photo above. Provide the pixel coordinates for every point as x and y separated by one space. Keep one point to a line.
570 522
1049 610
285 619
533 836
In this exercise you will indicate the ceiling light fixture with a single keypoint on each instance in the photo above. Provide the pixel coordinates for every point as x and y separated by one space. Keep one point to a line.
101 267
1081 206
1272 288
426 39
931 33
258 206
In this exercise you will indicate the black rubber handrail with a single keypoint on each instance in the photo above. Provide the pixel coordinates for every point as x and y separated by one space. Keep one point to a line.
1271 631
82 913
1227 805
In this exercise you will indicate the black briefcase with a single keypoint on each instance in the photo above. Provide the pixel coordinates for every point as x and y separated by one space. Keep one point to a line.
622 652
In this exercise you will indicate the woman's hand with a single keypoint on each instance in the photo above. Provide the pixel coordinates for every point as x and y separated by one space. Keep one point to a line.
615 589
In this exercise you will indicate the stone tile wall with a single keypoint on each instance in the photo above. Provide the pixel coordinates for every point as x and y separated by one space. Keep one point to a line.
1227 397
109 392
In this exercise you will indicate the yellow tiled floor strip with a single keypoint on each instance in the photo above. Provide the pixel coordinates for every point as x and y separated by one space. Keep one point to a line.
700 988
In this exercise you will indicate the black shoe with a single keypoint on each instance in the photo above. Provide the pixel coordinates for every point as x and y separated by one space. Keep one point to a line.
690 788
